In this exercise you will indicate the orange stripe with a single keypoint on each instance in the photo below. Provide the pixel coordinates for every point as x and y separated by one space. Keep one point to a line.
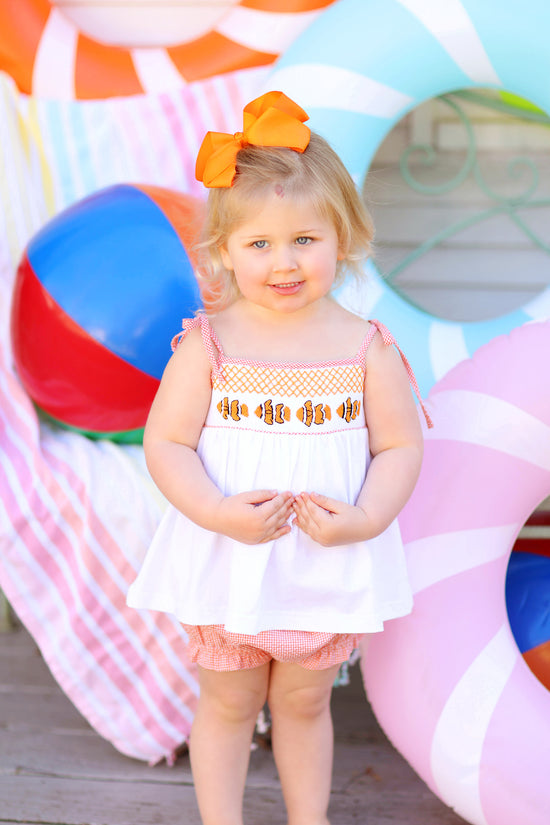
21 27
184 212
538 659
104 71
214 54
286 5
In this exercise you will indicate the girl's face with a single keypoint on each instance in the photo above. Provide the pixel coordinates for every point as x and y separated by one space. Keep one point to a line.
283 254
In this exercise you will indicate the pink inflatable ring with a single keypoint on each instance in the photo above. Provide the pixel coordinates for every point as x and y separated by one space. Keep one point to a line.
448 683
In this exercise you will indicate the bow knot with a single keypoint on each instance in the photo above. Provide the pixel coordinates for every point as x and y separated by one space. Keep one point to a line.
272 119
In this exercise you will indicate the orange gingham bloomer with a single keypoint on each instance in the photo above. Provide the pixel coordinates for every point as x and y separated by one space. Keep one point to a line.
214 648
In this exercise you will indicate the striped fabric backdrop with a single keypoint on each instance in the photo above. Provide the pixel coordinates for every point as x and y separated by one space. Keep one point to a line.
76 516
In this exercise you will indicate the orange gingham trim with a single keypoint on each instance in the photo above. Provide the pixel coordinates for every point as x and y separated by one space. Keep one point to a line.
316 381
214 648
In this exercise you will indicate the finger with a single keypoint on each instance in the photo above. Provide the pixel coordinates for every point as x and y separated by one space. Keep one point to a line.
278 499
327 503
309 506
303 499
274 512
308 500
281 531
308 527
306 514
260 496
299 507
276 520
312 510
305 527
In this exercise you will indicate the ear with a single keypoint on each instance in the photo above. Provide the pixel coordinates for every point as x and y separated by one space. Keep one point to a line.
342 253
226 260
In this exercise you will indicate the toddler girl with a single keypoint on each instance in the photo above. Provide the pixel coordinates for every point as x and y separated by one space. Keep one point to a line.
285 435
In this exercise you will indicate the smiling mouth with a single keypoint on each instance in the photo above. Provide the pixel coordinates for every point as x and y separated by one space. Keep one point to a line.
290 285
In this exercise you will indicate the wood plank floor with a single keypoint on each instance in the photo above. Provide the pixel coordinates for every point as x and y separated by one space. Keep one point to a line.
55 769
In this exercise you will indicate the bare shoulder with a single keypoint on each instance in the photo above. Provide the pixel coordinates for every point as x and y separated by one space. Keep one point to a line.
190 354
378 342
181 403
348 326
383 359
226 323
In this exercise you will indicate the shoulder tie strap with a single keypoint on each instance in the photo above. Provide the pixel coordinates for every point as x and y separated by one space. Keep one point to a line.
209 339
388 340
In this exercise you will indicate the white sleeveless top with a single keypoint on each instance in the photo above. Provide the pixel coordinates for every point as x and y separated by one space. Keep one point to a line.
284 427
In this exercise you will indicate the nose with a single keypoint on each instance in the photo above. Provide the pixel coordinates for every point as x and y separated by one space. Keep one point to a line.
284 259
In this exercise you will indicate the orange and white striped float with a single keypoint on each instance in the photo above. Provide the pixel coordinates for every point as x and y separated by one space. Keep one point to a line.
47 55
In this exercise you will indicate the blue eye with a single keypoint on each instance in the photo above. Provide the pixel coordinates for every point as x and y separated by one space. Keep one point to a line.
303 240
259 244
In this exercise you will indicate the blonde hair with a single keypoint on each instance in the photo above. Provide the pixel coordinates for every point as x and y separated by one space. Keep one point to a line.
317 175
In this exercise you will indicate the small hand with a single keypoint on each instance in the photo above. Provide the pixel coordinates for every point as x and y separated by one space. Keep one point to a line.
329 521
255 517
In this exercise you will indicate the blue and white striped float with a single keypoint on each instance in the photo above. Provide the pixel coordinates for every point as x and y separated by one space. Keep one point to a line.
362 65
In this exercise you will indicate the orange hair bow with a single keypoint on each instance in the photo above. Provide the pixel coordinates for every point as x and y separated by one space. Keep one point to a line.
272 119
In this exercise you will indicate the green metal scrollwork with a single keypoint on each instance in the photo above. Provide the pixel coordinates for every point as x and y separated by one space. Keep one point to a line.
429 157
503 205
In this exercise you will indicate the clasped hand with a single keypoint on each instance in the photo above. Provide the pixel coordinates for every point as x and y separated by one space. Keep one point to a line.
329 521
254 517
264 515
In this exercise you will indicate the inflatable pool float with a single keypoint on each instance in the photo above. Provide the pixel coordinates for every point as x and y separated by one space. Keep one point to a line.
360 67
95 292
42 49
448 683
527 595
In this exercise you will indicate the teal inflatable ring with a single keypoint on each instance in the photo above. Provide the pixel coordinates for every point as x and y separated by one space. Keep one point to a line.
361 66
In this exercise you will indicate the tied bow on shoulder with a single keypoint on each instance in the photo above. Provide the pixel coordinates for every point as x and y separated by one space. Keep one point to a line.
272 119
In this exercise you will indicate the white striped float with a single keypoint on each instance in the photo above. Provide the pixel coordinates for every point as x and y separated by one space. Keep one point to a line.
361 67
48 56
448 682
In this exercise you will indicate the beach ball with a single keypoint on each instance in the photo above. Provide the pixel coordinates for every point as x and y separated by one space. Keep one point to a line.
528 604
99 293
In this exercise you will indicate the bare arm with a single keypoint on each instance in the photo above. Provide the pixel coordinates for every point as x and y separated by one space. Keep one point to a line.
170 441
396 445
395 436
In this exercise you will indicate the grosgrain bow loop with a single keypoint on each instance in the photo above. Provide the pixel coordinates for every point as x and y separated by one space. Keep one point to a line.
272 119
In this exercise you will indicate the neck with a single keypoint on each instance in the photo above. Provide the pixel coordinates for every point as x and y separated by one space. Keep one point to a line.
328 332
284 320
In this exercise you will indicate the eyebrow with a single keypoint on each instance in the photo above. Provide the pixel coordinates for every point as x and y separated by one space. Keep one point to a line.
267 234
